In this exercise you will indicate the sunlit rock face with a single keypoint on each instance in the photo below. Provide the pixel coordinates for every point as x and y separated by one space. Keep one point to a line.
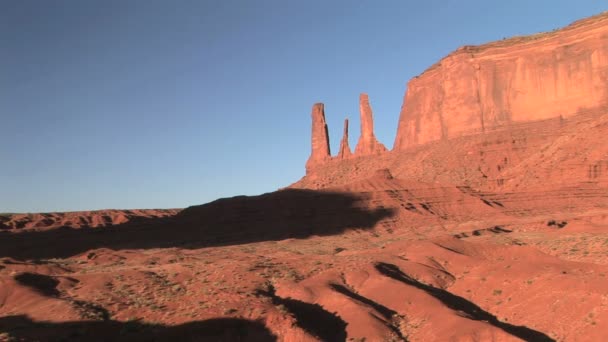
367 144
320 152
479 88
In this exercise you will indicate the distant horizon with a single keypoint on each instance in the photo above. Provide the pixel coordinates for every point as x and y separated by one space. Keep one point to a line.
121 106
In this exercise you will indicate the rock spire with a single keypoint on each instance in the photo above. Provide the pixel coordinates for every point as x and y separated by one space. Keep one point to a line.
344 147
320 152
367 144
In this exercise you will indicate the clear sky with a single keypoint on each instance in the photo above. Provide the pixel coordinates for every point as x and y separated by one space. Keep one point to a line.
159 104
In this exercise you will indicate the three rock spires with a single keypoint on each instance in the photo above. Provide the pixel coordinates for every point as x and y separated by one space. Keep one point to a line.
367 144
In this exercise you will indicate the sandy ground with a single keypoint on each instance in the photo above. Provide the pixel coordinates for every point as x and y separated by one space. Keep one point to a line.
383 259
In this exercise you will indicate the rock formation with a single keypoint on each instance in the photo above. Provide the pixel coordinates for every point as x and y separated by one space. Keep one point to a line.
344 147
498 86
476 89
502 101
367 144
320 152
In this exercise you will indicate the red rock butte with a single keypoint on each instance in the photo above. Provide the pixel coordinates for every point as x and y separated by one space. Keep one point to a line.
535 87
522 79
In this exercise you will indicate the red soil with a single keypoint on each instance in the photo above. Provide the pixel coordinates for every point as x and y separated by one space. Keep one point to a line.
394 260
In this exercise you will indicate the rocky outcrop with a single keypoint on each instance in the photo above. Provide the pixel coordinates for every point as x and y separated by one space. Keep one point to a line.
320 138
477 89
367 144
344 147
503 116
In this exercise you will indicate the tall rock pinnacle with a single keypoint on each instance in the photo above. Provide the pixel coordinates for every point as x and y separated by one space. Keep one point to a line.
368 144
344 147
320 138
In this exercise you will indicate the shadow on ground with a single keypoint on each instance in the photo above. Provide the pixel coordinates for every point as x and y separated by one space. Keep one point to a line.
457 303
43 284
274 216
22 328
313 318
386 312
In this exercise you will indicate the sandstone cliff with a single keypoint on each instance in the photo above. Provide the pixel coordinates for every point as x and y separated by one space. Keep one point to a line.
476 89
520 112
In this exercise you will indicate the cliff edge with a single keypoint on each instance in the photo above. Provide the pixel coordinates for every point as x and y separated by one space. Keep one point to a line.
478 88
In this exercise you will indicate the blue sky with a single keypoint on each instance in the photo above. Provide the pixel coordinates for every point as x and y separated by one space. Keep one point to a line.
160 104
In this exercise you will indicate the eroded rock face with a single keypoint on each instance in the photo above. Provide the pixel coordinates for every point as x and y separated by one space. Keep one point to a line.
344 147
320 138
367 144
476 89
